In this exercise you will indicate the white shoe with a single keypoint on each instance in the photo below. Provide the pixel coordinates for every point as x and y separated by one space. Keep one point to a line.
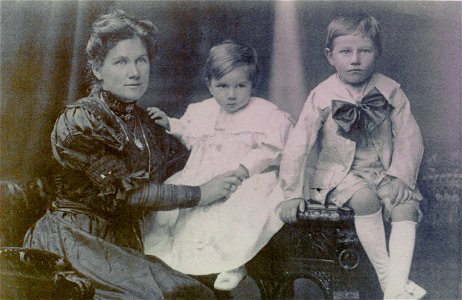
414 289
229 280
411 291
401 247
404 295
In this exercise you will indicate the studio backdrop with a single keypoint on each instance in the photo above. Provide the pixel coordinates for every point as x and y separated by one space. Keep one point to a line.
43 64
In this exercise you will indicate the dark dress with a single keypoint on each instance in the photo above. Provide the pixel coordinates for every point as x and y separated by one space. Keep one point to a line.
112 160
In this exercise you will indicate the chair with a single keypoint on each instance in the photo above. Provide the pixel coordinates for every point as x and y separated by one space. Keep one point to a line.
38 274
32 273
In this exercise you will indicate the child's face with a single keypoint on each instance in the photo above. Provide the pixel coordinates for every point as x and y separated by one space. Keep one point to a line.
233 90
354 58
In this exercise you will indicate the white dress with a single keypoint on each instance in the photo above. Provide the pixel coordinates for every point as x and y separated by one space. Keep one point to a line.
223 235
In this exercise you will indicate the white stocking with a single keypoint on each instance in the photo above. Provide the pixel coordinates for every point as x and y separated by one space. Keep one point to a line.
402 241
371 234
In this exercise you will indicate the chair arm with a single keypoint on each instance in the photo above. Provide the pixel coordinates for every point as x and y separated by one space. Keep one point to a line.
33 274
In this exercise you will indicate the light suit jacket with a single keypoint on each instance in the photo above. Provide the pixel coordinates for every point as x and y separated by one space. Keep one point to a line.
316 158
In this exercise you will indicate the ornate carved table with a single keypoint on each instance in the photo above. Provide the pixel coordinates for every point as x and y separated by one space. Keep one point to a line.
321 246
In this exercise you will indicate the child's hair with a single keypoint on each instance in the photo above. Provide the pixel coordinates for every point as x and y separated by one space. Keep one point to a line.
363 24
228 55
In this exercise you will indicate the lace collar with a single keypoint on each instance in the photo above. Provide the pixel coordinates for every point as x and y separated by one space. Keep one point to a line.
125 110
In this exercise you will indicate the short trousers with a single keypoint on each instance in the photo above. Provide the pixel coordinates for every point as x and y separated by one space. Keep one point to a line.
374 180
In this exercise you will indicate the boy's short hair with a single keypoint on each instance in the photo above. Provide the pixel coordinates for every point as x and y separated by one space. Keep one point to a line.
228 55
361 23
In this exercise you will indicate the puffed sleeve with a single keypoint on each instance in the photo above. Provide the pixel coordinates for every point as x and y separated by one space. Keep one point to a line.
298 146
269 152
83 142
179 127
88 142
407 142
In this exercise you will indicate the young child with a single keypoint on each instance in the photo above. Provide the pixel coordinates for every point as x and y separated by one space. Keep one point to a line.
362 148
231 131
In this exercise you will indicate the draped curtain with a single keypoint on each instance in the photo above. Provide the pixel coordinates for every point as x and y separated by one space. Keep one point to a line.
43 64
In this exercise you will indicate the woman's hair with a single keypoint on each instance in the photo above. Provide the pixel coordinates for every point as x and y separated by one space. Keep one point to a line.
363 24
228 55
110 29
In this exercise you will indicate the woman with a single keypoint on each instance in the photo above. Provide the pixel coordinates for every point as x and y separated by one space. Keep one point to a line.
113 159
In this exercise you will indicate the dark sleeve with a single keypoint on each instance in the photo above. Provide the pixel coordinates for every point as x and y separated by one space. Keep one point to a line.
177 154
165 196
84 141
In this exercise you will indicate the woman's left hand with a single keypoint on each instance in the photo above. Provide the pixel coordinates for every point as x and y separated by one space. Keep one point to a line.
219 187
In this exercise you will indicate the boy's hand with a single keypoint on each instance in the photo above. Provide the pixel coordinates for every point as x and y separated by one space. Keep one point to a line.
288 209
399 192
159 117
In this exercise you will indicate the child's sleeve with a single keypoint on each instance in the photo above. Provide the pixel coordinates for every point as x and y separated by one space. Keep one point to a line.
297 148
269 152
407 142
178 127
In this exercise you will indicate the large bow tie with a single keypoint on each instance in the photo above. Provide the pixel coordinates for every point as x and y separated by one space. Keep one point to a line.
365 116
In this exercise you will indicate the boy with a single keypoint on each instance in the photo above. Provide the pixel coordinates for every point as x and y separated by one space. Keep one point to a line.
365 151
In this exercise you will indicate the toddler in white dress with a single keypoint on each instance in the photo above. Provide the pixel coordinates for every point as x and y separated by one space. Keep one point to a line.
231 131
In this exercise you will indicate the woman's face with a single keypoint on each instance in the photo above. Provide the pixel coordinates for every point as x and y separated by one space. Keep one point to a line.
125 70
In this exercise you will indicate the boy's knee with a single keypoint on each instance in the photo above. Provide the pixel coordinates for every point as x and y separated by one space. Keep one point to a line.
404 212
364 202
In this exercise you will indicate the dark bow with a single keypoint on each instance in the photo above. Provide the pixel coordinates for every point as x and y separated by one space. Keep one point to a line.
366 116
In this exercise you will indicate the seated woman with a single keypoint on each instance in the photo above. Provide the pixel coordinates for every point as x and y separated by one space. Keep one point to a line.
113 159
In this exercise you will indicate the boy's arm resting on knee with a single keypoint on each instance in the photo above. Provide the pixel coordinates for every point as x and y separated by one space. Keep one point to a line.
288 209
399 191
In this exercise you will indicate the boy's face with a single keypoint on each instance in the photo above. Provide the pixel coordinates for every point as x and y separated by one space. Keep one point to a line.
354 58
233 90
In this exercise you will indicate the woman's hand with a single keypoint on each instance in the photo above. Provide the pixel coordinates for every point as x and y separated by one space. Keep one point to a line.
288 209
159 117
219 187
399 192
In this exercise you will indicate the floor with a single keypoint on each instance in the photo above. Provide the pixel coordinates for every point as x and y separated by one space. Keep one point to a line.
436 267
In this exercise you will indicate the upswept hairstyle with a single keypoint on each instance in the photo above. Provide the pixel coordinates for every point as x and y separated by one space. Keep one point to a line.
110 29
228 55
363 24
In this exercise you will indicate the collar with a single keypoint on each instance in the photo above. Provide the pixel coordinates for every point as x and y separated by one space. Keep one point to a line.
331 89
122 109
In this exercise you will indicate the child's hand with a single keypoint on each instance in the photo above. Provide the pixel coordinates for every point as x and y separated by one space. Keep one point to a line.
242 172
288 209
399 192
159 117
